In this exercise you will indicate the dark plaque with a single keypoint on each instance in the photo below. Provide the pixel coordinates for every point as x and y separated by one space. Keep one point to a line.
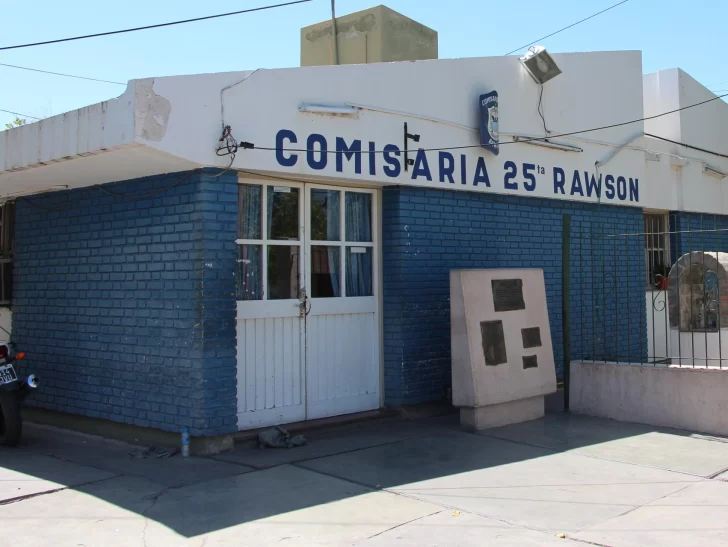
530 361
531 337
494 343
508 294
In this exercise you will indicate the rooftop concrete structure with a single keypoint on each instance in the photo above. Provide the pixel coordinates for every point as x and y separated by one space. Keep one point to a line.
376 35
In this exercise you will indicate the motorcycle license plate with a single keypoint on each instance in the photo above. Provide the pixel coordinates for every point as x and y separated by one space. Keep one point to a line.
7 374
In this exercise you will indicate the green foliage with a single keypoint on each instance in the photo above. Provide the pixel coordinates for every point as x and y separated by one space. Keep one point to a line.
17 122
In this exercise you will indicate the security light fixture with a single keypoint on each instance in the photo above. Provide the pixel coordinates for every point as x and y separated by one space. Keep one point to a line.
540 65
547 144
708 170
347 111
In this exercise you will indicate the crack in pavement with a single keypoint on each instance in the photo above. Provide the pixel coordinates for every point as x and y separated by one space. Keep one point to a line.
153 498
401 524
53 491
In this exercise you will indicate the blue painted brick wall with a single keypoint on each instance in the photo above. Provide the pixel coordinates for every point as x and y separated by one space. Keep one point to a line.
697 232
126 307
427 233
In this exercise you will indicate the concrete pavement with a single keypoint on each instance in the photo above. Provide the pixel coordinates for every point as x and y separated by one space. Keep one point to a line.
393 482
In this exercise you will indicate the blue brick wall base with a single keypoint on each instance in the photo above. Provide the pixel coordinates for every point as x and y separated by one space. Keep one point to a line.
427 233
126 305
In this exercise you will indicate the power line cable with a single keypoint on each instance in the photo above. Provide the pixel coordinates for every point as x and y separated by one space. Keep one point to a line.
247 145
61 74
570 26
160 25
19 114
687 145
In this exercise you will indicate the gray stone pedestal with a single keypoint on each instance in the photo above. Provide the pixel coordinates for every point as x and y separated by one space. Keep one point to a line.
512 412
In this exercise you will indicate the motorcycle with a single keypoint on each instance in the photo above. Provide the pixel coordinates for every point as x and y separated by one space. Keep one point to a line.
13 390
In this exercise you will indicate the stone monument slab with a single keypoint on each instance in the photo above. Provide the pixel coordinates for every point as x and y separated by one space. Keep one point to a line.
502 356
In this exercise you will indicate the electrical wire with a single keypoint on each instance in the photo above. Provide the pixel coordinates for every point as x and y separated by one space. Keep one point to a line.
687 145
570 26
147 27
61 74
18 114
540 111
525 140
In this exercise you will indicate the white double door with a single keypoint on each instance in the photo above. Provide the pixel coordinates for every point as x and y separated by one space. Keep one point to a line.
307 317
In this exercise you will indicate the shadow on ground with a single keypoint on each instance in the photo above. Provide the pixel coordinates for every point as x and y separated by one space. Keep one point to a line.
562 473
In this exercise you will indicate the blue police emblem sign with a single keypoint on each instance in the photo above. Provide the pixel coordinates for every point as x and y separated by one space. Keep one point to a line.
489 122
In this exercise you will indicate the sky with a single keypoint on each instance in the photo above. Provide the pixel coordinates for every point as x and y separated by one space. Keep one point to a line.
670 33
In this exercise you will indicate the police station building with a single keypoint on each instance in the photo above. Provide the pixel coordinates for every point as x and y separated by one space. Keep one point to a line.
236 250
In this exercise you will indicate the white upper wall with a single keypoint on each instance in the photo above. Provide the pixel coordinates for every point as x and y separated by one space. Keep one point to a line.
704 126
662 94
174 123
440 101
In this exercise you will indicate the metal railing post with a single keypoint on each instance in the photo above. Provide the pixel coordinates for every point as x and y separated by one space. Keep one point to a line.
565 304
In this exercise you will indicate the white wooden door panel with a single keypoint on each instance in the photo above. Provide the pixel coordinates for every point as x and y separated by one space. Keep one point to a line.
342 364
271 372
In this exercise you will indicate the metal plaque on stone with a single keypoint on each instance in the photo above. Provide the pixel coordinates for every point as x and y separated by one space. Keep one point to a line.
508 294
531 337
494 343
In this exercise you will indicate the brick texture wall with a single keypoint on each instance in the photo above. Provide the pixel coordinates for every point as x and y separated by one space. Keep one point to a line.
126 305
697 232
429 232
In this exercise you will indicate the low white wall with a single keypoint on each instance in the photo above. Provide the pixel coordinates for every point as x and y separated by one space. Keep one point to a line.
683 398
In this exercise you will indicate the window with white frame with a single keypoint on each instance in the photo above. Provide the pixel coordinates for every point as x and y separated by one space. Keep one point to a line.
657 249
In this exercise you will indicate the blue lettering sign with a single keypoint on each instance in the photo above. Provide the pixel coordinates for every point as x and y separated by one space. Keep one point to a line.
559 180
510 175
609 183
393 167
281 136
421 168
311 142
353 151
530 184
446 165
591 184
616 187
576 185
481 173
621 188
634 189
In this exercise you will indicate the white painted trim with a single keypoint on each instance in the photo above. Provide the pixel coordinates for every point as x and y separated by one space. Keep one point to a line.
270 417
360 403
339 305
267 309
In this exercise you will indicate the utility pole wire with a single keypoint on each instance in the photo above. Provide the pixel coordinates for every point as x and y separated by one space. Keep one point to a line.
571 25
19 114
147 27
61 74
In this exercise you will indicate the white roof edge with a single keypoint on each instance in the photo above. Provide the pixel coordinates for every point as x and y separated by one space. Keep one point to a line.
89 130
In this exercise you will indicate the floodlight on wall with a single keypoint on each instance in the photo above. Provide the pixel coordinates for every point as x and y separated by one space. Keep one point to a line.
540 65
708 170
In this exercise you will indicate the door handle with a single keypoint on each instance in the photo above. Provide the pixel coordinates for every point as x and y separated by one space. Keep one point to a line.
304 304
